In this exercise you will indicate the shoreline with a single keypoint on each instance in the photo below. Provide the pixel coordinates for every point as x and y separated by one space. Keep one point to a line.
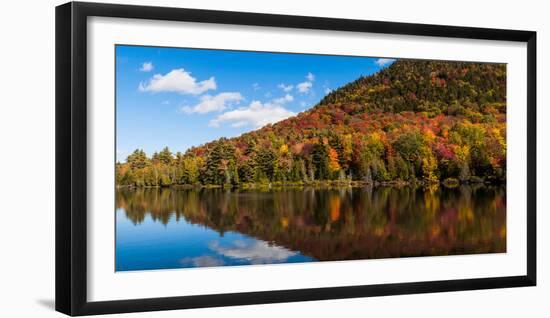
324 184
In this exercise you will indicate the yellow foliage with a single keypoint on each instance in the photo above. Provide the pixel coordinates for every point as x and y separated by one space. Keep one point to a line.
429 167
498 136
462 153
429 135
283 149
348 146
375 136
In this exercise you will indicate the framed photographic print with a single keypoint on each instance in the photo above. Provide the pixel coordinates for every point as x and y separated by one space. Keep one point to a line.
208 158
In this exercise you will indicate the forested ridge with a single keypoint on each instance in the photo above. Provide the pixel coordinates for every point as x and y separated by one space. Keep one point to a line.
413 122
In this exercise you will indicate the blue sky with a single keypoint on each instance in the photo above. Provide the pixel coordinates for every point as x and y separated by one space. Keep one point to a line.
180 98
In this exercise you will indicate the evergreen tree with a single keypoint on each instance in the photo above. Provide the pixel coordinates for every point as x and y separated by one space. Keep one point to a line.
319 158
246 172
265 162
137 160
165 156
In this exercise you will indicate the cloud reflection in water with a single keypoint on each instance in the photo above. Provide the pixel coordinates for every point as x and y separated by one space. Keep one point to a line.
255 252
202 261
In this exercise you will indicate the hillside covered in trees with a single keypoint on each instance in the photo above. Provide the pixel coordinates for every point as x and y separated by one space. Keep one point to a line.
413 122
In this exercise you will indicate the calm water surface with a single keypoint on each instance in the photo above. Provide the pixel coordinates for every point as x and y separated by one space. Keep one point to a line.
181 228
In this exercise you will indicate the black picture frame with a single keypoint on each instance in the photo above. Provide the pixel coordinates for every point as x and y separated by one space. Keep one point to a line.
71 157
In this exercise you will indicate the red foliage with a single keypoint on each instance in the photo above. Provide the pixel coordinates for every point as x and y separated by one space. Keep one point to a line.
444 151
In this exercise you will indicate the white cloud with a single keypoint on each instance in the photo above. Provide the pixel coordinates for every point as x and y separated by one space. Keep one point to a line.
285 88
146 67
216 103
256 86
258 252
257 114
178 81
239 124
304 87
166 102
283 100
303 104
327 90
384 62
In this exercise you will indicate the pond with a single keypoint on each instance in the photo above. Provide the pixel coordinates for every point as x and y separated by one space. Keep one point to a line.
163 228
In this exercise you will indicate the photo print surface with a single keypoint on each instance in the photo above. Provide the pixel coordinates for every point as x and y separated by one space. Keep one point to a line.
244 158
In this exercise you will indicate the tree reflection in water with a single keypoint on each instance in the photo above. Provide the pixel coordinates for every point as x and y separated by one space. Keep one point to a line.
331 224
